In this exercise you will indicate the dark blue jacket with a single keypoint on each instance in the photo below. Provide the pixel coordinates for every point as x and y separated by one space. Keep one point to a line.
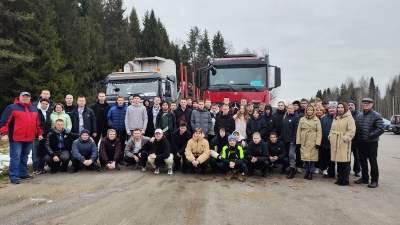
116 117
81 148
326 124
256 125
369 126
289 128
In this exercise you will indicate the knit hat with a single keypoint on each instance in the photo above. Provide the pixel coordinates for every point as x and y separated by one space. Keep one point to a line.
230 137
268 106
333 104
352 101
85 131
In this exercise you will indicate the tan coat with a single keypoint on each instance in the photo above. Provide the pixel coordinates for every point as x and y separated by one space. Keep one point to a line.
309 134
199 149
342 132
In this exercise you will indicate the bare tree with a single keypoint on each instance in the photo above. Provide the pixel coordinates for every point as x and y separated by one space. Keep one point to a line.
273 95
229 47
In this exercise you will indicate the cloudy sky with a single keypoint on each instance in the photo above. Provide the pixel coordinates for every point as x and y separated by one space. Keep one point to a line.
317 44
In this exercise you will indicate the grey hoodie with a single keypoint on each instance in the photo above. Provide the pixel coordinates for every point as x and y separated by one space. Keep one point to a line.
136 117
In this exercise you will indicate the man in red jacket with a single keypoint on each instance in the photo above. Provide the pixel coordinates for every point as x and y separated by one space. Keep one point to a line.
19 124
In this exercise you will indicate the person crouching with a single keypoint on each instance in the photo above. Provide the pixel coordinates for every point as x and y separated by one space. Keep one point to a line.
110 151
232 157
197 152
84 151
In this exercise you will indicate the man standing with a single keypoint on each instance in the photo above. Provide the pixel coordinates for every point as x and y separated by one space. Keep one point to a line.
84 151
166 121
19 124
303 105
69 106
280 113
369 126
201 118
83 118
207 104
183 114
152 113
325 104
100 109
44 94
136 116
354 148
116 121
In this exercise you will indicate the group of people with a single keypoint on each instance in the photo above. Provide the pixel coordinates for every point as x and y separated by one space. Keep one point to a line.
192 135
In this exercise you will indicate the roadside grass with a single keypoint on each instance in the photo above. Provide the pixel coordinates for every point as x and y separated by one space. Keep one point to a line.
4 147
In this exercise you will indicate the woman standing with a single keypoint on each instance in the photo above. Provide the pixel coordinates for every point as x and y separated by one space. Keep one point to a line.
59 113
288 136
342 132
309 135
241 118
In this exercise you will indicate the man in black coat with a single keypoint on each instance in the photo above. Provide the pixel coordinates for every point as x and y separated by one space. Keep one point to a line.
277 152
257 155
270 120
256 124
100 109
160 153
225 120
183 114
279 114
180 138
83 118
354 148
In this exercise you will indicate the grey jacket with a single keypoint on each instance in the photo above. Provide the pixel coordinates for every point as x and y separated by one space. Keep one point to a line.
202 119
136 117
130 145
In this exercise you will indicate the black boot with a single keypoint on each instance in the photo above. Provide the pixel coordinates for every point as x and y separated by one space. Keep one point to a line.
309 175
291 173
306 175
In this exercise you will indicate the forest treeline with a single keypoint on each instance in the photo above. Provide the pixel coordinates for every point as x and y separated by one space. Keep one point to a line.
387 103
66 46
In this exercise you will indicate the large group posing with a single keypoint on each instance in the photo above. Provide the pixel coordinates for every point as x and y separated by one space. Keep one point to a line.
192 136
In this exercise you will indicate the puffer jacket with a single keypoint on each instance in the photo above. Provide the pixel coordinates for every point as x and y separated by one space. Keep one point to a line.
61 115
81 148
197 148
277 149
342 132
309 134
326 123
289 128
225 121
369 126
256 125
259 151
116 118
201 118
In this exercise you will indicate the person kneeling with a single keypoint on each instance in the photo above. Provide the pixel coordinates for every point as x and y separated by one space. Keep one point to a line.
232 157
110 151
160 153
197 152
84 151
257 155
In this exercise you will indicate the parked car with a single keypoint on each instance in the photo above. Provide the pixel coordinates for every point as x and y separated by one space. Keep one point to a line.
395 124
386 124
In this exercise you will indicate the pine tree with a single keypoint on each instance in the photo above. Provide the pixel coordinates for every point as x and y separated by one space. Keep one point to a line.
193 45
184 55
372 88
204 49
218 46
134 29
164 47
319 94
149 37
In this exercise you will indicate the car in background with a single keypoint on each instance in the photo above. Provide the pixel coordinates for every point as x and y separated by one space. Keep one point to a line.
386 124
395 124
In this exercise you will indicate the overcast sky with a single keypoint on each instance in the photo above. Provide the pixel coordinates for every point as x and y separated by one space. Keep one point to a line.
317 44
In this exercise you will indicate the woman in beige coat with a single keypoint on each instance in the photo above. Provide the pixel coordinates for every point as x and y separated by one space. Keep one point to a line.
342 132
309 135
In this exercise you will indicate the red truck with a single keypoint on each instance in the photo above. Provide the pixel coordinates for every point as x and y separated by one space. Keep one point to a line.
237 76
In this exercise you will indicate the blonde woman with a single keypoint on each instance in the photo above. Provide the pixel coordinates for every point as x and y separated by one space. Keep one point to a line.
242 118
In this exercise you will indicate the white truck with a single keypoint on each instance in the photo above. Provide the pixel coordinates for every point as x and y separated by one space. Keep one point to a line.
149 77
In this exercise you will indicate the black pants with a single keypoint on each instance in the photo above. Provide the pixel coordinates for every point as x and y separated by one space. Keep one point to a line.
63 156
259 165
101 132
202 166
177 161
110 157
324 158
369 152
77 164
121 135
239 166
356 165
214 162
143 158
343 169
284 162
299 162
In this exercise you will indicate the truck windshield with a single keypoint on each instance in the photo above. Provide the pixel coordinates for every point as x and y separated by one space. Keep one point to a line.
239 76
128 88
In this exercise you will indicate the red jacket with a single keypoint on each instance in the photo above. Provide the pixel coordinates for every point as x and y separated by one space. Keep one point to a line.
20 121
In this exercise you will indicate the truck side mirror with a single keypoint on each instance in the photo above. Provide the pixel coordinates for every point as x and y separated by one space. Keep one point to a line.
277 76
171 78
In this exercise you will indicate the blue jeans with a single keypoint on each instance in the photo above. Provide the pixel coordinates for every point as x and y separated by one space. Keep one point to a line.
19 152
38 161
309 166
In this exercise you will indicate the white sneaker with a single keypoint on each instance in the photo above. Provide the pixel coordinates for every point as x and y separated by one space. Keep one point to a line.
169 171
144 169
298 170
325 172
316 171
157 170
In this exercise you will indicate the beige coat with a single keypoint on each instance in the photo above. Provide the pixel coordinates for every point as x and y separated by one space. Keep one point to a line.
309 134
342 132
199 149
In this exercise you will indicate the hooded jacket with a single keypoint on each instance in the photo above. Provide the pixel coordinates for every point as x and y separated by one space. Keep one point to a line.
61 115
179 141
89 120
289 128
161 148
259 151
81 148
279 115
130 145
136 117
110 147
256 125
183 116
50 106
271 125
309 134
340 136
197 148
277 149
369 127
20 121
116 118
201 118
225 121
52 141
232 154
219 142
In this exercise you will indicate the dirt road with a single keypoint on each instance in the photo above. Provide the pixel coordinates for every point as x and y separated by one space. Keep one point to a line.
132 197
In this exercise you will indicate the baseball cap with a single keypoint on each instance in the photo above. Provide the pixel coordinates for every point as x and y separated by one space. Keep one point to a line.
25 93
158 131
368 100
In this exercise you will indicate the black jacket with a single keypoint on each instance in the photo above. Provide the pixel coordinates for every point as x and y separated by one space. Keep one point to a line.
326 124
45 124
277 149
89 120
101 120
150 124
183 116
219 141
52 141
69 109
161 148
256 125
179 141
289 128
279 120
369 126
51 104
271 125
259 151
225 121
171 121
